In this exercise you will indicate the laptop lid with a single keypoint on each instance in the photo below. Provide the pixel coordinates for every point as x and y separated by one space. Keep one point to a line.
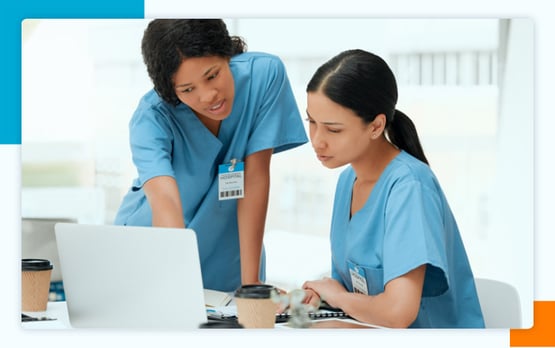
131 277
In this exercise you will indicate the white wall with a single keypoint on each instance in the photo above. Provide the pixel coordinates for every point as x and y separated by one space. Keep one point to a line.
509 243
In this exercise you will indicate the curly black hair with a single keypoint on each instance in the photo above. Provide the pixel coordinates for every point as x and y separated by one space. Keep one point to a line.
166 42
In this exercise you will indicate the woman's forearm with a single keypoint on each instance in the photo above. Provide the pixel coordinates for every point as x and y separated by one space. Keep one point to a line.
163 196
251 214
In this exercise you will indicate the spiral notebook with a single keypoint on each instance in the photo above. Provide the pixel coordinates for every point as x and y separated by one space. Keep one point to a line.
230 313
320 314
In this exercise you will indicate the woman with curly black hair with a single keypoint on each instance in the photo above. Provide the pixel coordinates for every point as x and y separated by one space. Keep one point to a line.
202 141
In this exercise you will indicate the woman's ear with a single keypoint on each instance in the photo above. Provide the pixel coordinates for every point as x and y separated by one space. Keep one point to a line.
377 126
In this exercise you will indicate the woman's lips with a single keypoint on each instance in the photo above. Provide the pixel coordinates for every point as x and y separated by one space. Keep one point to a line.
216 108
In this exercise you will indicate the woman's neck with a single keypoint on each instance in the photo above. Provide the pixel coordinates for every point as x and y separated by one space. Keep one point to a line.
371 166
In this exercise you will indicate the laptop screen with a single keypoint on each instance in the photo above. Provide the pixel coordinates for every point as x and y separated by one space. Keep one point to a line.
131 277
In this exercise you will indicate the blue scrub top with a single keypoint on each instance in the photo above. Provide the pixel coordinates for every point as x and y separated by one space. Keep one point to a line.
171 140
405 223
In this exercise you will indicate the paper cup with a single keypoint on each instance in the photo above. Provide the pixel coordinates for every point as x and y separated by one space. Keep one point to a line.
255 308
35 284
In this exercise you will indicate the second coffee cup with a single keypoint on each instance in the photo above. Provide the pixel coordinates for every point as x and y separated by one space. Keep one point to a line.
255 308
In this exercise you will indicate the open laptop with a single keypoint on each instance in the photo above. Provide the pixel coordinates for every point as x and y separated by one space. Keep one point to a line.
131 277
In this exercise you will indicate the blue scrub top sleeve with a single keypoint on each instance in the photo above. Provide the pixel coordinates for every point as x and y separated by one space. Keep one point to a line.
151 144
278 123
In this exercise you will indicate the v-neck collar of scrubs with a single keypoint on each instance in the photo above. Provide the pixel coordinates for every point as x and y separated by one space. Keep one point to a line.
225 131
377 187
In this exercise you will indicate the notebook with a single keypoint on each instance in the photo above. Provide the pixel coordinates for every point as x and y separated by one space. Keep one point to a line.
325 311
131 277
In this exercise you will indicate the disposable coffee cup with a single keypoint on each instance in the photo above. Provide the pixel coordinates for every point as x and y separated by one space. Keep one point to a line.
35 284
255 308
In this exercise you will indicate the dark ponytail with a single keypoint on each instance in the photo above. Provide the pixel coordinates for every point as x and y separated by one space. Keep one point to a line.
363 82
402 133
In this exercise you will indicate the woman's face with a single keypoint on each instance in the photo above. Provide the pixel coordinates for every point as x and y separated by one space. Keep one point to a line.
337 134
205 84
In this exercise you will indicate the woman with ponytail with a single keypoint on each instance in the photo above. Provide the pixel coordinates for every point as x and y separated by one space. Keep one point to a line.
398 259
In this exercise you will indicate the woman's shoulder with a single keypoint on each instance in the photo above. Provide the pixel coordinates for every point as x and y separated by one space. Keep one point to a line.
150 101
410 162
257 61
151 106
406 167
255 56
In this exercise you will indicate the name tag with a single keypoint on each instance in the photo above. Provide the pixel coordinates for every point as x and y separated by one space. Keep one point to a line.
231 180
358 279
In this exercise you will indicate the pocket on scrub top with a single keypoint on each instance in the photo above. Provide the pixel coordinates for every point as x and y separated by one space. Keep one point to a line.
374 278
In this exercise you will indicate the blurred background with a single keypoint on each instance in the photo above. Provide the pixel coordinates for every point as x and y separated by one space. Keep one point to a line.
466 83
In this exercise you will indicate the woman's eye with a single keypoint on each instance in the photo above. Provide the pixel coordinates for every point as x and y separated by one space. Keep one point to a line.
334 130
213 75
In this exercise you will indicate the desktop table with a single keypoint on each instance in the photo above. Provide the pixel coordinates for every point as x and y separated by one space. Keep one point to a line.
58 312
54 310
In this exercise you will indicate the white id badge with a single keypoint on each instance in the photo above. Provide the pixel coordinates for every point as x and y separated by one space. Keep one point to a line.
358 279
231 180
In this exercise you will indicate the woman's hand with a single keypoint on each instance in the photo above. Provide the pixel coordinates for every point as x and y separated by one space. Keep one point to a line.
326 289
312 298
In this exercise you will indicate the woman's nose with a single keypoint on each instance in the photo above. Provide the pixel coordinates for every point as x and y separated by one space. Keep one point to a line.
208 95
317 140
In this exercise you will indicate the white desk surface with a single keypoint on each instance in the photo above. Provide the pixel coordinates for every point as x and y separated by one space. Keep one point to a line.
54 310
58 311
